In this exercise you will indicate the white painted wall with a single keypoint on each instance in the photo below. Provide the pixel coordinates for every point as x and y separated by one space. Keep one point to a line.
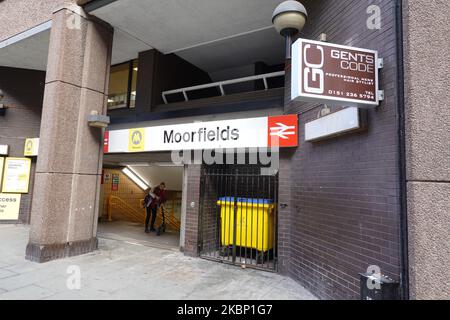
172 176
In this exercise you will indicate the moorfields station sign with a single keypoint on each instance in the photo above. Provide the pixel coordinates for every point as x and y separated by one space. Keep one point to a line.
264 132
335 74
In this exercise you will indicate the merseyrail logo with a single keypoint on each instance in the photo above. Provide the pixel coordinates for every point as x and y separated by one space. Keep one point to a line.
136 140
29 147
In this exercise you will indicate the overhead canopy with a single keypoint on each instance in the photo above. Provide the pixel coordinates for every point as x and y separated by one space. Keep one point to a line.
212 34
28 50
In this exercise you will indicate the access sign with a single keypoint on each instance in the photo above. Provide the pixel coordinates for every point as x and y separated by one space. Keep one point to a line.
334 74
278 131
9 206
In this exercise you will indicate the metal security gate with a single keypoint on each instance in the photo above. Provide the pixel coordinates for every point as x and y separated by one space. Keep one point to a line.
238 216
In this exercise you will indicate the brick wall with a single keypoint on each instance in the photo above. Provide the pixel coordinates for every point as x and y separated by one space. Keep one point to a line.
127 190
209 211
193 197
23 90
284 211
343 213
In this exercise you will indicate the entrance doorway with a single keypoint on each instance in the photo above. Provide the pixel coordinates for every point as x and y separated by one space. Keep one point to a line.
122 212
238 216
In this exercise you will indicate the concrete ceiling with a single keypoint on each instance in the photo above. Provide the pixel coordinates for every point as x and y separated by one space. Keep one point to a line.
28 52
31 52
212 34
265 45
125 47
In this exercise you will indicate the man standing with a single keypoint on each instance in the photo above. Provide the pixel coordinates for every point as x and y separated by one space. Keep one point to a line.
158 200
149 197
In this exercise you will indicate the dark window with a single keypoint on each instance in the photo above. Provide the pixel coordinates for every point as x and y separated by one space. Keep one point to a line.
122 86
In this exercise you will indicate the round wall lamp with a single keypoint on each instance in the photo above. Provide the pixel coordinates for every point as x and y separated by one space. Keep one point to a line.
289 18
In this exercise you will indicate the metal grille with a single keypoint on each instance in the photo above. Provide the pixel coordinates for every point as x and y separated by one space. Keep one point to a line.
238 216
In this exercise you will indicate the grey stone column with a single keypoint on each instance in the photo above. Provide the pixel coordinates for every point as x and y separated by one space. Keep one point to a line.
427 96
66 193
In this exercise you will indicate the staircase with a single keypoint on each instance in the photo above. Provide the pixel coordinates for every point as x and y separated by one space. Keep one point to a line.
120 210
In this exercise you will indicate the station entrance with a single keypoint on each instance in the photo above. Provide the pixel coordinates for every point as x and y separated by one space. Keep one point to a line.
122 212
226 213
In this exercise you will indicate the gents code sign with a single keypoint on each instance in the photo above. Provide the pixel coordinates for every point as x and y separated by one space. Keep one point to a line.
278 131
334 74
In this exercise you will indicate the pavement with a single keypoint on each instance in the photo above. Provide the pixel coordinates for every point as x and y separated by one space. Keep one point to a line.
125 268
134 232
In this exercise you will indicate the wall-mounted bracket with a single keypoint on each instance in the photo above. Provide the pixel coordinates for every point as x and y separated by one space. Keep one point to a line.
380 63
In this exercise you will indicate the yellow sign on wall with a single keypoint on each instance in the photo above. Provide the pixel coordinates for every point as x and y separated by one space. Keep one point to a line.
9 206
2 161
31 148
16 176
136 140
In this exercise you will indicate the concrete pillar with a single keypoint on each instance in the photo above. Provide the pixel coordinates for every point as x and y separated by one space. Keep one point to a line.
65 202
427 69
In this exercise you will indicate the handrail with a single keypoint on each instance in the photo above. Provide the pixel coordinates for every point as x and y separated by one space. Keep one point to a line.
221 84
139 216
136 215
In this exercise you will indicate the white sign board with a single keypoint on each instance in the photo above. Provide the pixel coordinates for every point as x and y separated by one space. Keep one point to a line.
334 124
281 131
16 177
9 206
4 149
2 162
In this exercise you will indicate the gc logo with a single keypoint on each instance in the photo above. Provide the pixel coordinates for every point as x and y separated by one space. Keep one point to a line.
315 69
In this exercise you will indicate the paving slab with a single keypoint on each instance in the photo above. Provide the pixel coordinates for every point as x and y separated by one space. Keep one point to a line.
126 268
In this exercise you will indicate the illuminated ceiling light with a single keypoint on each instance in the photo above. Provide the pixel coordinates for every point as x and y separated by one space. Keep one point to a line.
135 69
166 164
140 182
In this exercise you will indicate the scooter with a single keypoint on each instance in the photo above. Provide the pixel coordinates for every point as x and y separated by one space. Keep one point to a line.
162 228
